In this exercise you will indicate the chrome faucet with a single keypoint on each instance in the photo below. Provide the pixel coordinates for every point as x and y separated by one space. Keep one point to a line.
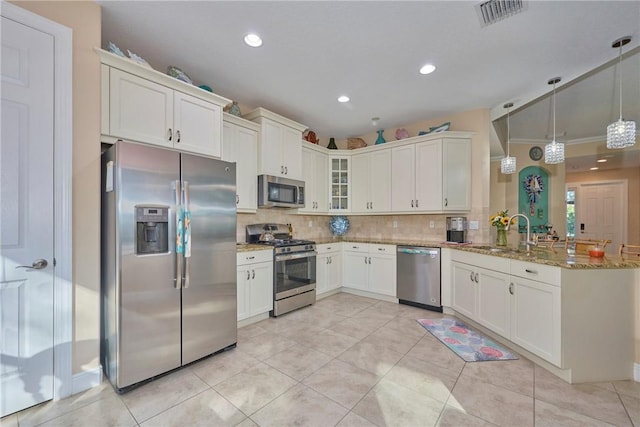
529 242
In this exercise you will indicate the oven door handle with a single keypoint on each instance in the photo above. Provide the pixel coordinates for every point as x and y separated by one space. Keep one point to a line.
287 257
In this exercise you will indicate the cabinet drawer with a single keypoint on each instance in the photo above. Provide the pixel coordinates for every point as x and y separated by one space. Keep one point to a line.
490 262
538 272
356 247
382 249
326 248
251 257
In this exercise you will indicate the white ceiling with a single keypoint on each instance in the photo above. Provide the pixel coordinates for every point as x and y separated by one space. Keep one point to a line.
315 51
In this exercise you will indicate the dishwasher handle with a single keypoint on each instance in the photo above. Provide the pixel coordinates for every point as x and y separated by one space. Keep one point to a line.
418 251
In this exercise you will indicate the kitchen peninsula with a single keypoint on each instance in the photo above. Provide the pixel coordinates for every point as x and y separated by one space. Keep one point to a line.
569 313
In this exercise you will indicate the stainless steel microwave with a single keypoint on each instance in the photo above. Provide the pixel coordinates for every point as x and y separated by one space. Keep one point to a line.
277 192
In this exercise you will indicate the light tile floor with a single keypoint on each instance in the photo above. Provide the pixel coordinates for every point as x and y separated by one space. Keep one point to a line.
347 361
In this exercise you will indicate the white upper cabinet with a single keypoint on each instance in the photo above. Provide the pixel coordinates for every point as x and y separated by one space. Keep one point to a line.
371 182
432 176
315 167
144 105
240 145
280 146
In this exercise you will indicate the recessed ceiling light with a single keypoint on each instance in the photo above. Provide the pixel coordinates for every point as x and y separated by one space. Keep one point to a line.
374 121
427 69
595 168
601 160
253 40
343 98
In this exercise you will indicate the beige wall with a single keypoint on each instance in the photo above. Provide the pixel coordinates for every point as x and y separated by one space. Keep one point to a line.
84 19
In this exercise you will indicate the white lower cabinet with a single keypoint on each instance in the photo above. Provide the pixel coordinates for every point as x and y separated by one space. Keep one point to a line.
328 267
370 267
535 318
255 283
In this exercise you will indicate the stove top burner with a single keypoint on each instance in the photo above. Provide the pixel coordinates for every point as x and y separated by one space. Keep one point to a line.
286 242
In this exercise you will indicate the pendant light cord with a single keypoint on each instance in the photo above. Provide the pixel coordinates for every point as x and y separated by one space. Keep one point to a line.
554 112
620 77
508 130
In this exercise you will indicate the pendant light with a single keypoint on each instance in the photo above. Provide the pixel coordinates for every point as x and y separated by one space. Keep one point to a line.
508 163
621 134
554 151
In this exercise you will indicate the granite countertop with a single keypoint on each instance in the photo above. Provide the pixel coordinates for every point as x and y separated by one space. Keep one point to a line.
248 247
558 257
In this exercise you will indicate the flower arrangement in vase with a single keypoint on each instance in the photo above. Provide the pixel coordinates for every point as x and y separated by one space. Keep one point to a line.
500 221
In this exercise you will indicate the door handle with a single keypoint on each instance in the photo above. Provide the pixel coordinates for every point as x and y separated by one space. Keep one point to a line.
476 278
511 288
38 264
446 202
416 203
471 276
412 203
177 136
237 199
248 275
253 274
170 134
282 169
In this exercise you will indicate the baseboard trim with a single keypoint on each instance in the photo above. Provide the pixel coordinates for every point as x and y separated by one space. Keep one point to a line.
636 372
86 380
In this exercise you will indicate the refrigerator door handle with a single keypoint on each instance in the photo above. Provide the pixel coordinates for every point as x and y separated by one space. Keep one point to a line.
187 236
178 243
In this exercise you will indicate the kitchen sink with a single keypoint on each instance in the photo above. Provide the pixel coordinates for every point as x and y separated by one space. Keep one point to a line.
496 249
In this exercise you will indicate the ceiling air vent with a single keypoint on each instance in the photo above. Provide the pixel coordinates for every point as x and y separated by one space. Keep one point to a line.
493 11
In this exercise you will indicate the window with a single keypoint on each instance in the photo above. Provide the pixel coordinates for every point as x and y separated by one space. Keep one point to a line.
571 212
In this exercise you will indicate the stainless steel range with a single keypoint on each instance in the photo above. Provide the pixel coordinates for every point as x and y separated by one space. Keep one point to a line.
294 266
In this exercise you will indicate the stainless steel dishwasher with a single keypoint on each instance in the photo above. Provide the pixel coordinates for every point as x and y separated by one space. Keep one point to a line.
418 277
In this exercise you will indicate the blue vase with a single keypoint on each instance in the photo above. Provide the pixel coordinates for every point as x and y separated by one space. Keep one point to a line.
380 139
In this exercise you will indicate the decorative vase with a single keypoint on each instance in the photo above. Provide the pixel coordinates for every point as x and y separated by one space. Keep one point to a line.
339 225
380 139
332 144
235 109
501 238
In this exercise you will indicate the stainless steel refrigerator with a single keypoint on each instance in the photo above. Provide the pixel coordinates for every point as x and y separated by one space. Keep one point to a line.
168 261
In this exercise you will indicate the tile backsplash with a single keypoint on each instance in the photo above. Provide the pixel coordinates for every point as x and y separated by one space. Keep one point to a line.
410 227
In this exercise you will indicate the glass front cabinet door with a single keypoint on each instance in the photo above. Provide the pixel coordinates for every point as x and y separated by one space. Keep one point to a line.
340 184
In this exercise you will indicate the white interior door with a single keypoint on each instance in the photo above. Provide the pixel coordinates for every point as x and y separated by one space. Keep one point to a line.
601 213
26 218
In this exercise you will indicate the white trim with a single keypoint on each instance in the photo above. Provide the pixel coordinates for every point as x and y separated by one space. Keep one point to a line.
636 372
86 380
63 144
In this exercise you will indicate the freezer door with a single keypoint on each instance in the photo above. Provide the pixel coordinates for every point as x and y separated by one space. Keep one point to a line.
209 321
149 302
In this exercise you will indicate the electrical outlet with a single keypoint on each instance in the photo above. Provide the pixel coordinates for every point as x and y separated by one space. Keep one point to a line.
310 223
432 224
473 225
395 224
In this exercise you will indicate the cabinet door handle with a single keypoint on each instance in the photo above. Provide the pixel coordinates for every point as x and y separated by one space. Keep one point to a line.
371 205
286 170
471 276
177 136
476 277
328 248
248 275
382 249
281 169
416 203
530 271
365 260
237 199
511 288
327 261
446 202
369 260
253 274
412 203
330 260
170 133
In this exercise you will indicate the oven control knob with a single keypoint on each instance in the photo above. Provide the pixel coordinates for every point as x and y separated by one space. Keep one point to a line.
288 249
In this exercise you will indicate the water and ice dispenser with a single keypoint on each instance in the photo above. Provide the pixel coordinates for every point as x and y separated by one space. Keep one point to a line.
152 230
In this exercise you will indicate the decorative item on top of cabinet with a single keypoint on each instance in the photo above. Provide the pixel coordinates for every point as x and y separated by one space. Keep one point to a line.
353 143
311 137
401 133
332 144
442 128
235 109
177 73
380 139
